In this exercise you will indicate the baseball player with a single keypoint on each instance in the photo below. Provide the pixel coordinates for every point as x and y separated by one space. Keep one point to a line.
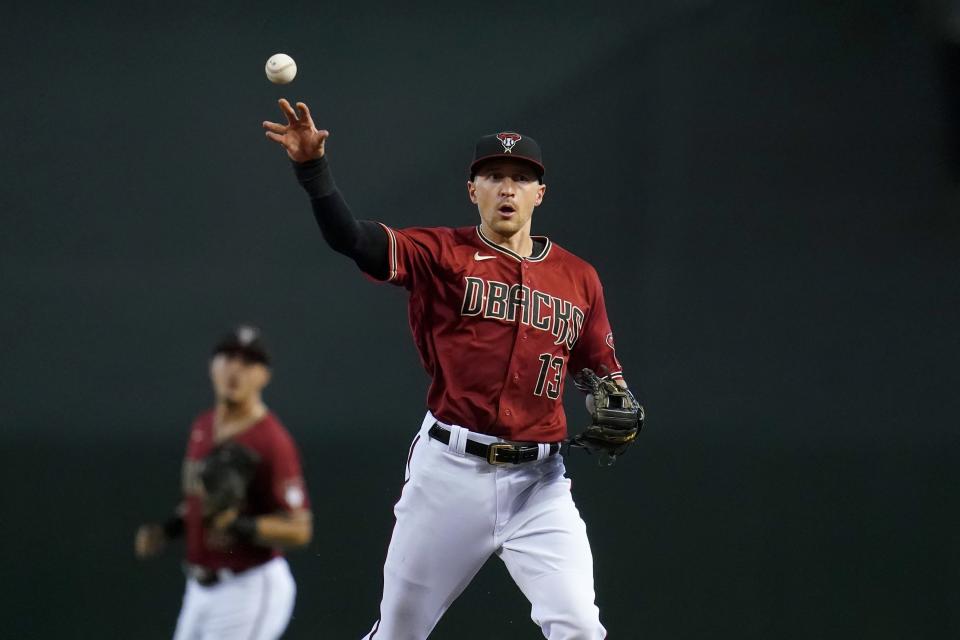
244 500
498 316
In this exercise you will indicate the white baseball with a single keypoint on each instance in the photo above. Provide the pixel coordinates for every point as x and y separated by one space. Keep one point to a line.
281 69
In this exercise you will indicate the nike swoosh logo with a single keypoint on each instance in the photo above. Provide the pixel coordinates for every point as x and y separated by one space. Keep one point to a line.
479 257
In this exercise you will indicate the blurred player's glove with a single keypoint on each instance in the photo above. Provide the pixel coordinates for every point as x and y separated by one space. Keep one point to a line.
226 473
617 417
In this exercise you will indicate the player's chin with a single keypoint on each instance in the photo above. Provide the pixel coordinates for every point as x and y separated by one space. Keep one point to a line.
507 225
234 396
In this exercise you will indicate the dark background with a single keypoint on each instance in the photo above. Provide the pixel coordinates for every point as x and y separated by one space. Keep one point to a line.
766 188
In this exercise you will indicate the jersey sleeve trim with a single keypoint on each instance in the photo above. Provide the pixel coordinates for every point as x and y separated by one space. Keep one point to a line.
391 253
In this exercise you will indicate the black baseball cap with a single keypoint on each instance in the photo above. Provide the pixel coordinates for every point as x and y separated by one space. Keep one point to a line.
507 144
245 341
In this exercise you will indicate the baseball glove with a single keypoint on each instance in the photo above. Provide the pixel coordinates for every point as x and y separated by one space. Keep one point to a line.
617 416
225 474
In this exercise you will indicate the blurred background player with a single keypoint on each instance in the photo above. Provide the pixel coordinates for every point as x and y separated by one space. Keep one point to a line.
238 583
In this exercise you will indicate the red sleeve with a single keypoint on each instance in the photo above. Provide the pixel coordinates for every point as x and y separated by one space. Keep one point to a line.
594 349
287 487
412 254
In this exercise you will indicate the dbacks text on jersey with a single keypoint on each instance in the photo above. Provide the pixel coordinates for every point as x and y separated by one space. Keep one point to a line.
501 301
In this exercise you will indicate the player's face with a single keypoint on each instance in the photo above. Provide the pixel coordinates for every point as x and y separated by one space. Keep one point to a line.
236 379
506 192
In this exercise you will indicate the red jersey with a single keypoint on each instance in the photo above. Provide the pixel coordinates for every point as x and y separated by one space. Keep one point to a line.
277 486
497 331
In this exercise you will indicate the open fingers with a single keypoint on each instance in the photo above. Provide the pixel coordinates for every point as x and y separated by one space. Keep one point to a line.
279 139
304 112
274 127
288 111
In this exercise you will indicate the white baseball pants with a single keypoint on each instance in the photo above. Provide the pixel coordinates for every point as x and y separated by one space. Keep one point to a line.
254 605
456 510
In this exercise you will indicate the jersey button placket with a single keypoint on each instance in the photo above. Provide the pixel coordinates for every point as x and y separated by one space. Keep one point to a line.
521 335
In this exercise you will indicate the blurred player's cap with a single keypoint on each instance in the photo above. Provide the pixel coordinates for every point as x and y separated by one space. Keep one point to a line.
507 144
246 342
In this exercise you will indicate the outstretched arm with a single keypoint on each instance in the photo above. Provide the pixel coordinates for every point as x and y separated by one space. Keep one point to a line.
362 240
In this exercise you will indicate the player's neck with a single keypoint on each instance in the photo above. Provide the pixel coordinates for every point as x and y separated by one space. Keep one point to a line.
520 242
250 409
233 419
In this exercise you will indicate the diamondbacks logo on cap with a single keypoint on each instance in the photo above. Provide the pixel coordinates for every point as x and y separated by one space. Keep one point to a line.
246 335
508 139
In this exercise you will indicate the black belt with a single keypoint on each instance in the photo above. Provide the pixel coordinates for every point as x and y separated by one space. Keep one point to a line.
498 452
205 576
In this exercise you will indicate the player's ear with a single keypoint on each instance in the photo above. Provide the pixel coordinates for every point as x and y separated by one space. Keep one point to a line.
472 191
265 376
540 191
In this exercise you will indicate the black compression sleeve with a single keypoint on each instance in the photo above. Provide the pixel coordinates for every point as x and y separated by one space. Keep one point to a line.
362 240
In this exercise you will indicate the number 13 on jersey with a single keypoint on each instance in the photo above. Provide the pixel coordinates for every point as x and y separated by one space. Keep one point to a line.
551 374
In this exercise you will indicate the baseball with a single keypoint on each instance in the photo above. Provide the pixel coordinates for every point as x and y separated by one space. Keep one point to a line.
281 69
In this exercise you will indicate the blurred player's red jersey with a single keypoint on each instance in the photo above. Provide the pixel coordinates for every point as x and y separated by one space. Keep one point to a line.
498 332
277 486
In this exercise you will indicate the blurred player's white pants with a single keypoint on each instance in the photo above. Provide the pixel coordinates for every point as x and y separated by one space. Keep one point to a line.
455 511
256 604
